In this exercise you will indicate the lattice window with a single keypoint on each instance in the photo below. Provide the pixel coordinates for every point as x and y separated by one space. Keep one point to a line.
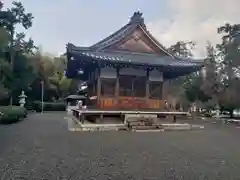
108 87
155 90
132 86
126 85
139 86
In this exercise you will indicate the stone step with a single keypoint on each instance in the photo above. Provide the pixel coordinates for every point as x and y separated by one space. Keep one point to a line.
146 127
150 130
183 127
134 123
146 124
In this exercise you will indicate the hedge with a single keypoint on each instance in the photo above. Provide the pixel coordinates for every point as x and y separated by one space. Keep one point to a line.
12 114
49 106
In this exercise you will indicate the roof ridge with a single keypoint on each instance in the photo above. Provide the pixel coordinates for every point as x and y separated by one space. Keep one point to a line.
119 36
134 21
110 36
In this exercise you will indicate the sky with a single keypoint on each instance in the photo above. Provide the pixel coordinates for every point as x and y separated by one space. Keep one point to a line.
84 22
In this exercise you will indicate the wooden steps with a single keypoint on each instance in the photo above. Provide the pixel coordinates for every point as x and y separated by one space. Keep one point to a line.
146 127
143 123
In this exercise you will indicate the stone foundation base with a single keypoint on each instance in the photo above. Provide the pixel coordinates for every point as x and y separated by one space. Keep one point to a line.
74 125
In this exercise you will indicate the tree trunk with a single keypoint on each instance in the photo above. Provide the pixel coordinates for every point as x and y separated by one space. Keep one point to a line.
11 60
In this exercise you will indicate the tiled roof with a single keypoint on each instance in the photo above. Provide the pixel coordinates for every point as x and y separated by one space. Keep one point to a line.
115 37
132 58
136 21
100 52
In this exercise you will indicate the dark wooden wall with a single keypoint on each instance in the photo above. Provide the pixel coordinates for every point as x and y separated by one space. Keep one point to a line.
130 103
115 101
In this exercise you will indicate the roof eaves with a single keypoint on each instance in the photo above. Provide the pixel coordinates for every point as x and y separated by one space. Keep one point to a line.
123 58
197 61
71 47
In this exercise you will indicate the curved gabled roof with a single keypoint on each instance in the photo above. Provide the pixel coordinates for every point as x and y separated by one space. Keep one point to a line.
105 51
136 21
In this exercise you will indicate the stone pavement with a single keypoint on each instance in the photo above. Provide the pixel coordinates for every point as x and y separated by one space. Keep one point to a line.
41 147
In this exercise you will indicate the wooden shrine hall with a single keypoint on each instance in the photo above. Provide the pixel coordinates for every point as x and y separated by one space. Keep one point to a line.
129 70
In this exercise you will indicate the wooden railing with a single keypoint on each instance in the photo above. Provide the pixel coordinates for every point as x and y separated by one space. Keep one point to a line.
155 104
129 103
132 103
106 103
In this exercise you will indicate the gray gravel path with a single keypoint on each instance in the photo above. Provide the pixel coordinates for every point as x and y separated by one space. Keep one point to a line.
40 147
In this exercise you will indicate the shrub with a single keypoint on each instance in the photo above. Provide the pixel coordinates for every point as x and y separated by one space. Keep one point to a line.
49 106
11 114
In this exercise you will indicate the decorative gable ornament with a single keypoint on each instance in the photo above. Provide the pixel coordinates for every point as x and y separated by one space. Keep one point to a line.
137 19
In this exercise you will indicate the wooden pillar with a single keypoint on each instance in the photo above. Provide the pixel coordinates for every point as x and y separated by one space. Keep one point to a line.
95 82
82 118
165 85
147 86
90 89
99 88
100 119
117 87
147 102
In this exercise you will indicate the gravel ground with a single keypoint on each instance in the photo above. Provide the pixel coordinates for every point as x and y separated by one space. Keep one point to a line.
40 147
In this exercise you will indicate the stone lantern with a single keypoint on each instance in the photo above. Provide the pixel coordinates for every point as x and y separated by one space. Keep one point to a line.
22 99
79 104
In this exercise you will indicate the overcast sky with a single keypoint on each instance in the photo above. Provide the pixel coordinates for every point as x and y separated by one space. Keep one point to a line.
84 22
